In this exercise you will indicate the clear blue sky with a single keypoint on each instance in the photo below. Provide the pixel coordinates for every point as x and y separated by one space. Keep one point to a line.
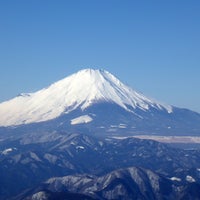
153 46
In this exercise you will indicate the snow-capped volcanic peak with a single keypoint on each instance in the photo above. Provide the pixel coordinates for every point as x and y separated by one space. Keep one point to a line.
81 89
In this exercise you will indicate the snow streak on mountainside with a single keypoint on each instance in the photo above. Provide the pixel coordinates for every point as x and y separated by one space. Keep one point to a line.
79 90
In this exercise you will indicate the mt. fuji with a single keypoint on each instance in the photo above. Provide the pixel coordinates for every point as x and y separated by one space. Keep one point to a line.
80 129
96 101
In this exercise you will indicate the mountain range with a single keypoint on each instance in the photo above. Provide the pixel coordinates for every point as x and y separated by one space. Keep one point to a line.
74 140
60 165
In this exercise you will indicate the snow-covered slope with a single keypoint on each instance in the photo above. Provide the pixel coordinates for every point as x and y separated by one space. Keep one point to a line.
81 120
79 90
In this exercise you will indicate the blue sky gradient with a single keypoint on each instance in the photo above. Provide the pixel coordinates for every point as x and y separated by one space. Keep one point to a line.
153 46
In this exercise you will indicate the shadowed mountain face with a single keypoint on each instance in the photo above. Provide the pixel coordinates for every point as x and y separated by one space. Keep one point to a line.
97 102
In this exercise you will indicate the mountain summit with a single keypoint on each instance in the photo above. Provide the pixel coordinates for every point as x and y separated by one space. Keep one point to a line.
95 101
79 90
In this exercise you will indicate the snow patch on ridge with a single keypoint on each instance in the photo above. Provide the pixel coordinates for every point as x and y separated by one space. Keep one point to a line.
175 179
81 120
7 151
190 179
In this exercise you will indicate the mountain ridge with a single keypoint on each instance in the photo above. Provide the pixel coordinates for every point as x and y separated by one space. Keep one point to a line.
34 158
